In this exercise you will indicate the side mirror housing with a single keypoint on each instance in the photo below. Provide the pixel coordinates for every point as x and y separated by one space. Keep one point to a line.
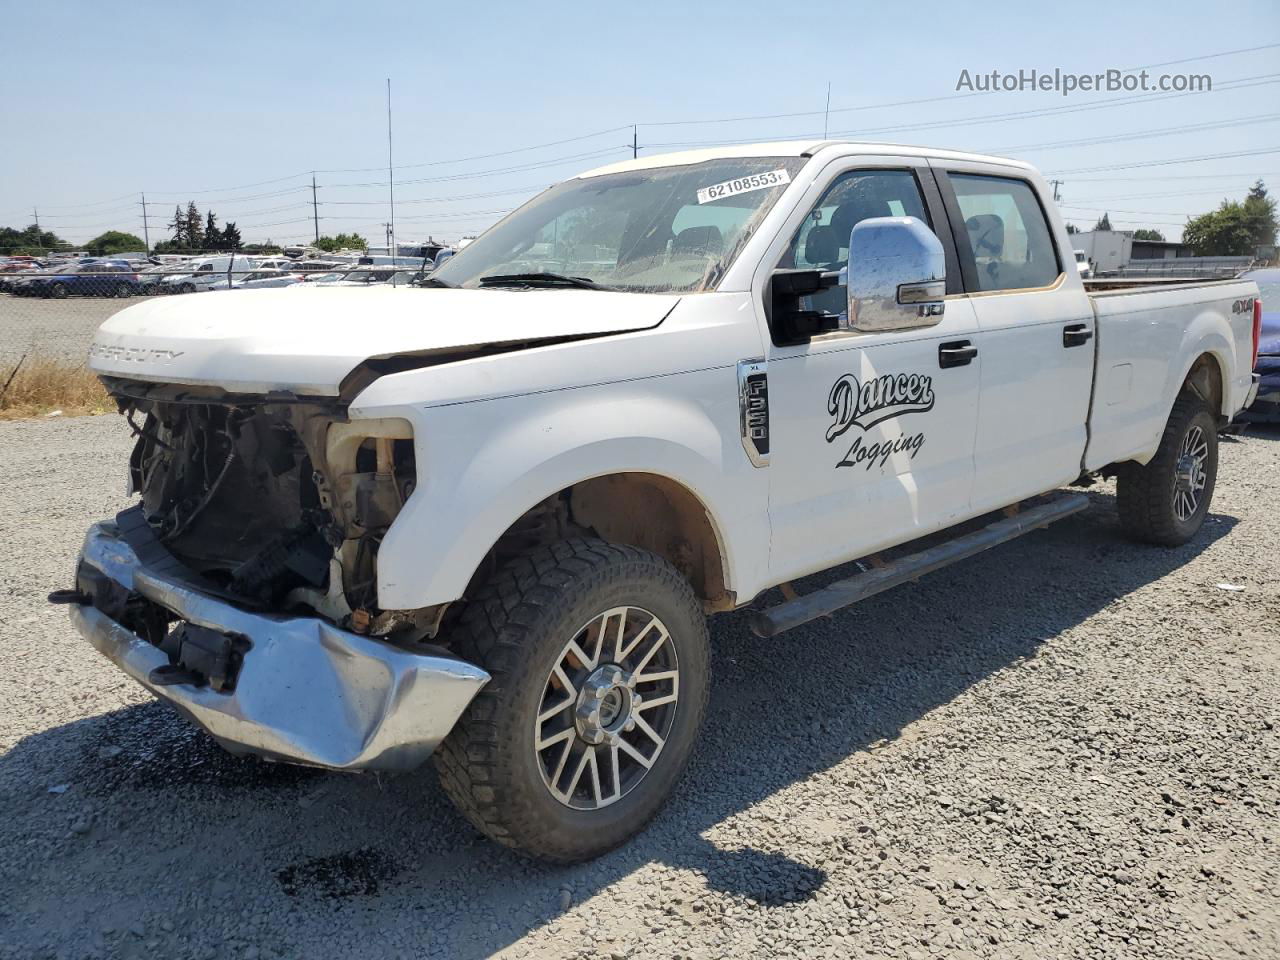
897 275
789 317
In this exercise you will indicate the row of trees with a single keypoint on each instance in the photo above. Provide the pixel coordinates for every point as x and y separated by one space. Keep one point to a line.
343 241
1236 229
193 233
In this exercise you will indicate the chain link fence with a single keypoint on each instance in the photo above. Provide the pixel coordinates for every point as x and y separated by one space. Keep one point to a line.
51 312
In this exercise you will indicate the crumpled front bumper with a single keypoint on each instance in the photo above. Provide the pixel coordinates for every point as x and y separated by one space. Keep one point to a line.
306 691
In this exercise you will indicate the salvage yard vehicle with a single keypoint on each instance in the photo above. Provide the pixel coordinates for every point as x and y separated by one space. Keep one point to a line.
486 521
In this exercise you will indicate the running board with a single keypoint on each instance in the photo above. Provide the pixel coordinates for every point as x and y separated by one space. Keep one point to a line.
843 593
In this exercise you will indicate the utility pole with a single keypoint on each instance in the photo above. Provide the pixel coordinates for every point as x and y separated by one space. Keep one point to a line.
1056 184
826 111
315 209
635 142
146 234
36 213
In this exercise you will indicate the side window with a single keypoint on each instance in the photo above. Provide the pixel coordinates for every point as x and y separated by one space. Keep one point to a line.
1005 237
822 242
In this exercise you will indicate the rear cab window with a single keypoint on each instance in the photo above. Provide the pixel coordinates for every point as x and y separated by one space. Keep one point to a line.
1002 234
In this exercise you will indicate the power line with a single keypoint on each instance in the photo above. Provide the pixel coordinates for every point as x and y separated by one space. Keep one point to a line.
1161 163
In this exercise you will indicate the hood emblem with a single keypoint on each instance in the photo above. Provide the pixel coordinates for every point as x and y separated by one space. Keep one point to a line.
133 354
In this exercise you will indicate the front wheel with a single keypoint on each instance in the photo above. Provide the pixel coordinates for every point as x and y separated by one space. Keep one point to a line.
123 291
599 659
1165 501
58 291
187 288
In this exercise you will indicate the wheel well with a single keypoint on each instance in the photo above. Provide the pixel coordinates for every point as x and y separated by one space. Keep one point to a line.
642 510
1204 379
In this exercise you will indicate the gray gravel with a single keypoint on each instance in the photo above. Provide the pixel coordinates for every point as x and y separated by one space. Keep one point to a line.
1065 747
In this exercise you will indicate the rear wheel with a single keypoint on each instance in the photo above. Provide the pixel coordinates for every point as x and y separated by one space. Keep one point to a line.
1165 501
187 288
123 290
598 655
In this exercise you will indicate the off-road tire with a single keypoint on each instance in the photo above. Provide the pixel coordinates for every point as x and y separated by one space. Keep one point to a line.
515 628
1145 494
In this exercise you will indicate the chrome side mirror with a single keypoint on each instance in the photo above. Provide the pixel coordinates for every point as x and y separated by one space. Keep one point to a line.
897 275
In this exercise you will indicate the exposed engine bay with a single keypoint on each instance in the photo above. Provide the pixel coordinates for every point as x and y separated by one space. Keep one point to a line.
278 503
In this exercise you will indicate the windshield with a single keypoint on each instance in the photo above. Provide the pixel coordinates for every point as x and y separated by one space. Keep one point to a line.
651 231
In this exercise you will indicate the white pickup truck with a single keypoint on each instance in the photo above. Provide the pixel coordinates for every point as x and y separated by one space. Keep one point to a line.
486 520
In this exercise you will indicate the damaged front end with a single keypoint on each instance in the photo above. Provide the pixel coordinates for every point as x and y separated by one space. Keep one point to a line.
242 588
280 504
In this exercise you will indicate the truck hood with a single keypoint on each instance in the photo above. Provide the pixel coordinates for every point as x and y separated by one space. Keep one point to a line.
307 340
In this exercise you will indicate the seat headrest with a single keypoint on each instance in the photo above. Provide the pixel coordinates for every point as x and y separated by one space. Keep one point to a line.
821 245
856 209
986 234
699 241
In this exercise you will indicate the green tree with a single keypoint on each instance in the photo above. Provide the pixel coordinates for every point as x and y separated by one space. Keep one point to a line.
343 241
181 234
32 241
231 239
1260 214
212 235
1148 235
1104 223
1072 228
1225 232
114 241
195 229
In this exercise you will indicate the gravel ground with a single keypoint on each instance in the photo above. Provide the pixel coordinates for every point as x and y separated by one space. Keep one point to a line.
1064 747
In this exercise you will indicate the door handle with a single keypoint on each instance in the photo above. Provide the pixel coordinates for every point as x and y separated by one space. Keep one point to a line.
956 353
1076 335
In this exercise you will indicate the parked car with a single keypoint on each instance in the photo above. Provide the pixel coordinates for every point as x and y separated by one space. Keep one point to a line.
265 279
92 279
487 521
212 273
1266 408
1083 265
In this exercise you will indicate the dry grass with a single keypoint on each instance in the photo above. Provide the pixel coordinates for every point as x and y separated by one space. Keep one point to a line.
42 385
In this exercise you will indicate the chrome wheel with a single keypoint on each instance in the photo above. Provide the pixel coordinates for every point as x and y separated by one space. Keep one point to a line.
607 708
1189 473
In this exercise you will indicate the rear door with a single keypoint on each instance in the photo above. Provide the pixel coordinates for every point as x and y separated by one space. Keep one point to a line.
871 438
1037 335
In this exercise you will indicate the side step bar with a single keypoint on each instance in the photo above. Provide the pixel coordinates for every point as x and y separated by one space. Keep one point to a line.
843 593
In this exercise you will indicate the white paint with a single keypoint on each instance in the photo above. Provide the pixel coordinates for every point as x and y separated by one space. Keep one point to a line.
654 389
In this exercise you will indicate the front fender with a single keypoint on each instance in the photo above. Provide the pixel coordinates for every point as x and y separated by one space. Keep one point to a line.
482 464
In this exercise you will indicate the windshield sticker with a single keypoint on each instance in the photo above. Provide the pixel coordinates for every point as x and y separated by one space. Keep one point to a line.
731 188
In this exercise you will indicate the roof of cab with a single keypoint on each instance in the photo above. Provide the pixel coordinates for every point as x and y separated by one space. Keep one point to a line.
793 148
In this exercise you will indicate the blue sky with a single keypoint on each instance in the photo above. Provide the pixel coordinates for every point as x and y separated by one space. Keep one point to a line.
232 105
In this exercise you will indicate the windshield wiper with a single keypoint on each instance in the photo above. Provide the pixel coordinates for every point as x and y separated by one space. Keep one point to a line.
539 279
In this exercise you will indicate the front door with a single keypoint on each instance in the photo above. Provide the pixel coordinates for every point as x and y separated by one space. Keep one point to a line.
871 433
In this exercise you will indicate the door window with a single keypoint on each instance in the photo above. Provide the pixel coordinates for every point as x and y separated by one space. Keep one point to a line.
1006 238
822 242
